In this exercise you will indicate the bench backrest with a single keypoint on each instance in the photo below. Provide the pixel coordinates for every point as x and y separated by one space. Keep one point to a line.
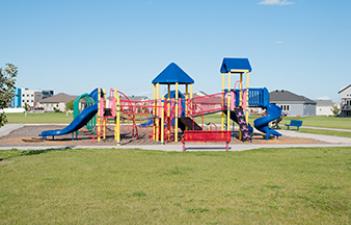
296 123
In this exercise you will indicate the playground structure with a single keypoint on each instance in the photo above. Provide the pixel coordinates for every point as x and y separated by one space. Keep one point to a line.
172 115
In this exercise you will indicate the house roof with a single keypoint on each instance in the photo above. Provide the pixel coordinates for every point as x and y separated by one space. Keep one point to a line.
324 102
59 98
287 96
235 64
344 88
173 74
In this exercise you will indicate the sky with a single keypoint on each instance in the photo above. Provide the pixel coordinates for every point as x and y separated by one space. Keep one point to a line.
74 46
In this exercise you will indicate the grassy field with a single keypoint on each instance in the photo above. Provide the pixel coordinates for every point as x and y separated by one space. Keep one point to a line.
323 121
39 118
287 186
326 132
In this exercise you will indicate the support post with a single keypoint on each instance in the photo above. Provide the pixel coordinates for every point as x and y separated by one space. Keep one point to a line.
241 100
247 83
163 120
98 118
223 101
118 118
241 90
154 111
176 113
186 99
103 114
169 125
157 116
229 102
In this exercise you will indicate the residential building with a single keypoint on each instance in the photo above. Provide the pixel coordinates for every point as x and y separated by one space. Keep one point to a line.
55 103
345 101
324 107
293 104
40 95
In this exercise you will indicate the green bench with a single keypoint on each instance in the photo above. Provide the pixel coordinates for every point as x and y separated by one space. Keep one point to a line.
294 123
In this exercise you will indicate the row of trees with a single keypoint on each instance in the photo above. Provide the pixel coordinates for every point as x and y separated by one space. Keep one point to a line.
7 88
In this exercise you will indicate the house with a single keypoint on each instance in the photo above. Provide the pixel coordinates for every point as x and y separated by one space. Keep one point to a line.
28 97
293 104
324 107
345 101
56 103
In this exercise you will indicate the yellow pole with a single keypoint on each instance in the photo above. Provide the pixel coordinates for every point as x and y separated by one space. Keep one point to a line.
154 112
98 118
241 90
223 102
169 112
176 113
118 118
104 119
186 99
157 116
241 100
190 93
163 121
228 103
247 96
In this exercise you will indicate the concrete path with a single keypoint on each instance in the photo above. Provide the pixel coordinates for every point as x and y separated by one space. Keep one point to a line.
8 128
325 128
319 137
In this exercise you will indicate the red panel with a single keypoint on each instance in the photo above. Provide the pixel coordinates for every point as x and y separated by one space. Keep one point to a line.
207 136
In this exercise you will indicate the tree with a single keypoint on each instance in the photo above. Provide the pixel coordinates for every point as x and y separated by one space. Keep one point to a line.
7 88
336 110
69 105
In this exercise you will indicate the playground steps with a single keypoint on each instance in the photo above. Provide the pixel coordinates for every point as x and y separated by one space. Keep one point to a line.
238 116
188 123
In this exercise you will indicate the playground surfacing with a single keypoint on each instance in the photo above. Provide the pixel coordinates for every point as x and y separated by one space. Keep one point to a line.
28 136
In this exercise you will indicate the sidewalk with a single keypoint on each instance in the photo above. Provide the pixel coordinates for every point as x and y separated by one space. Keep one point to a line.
8 128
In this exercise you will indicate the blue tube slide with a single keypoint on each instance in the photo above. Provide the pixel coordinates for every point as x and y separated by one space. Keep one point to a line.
273 113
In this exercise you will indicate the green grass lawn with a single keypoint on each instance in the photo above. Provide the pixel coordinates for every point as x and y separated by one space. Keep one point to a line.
326 132
39 118
283 186
322 121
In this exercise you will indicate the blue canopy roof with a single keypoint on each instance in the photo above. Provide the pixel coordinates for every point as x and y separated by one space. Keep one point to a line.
173 74
235 64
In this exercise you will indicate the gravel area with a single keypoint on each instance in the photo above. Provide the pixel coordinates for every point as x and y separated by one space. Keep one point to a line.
29 136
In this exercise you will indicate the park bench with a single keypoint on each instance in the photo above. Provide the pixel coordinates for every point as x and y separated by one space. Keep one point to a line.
294 123
206 136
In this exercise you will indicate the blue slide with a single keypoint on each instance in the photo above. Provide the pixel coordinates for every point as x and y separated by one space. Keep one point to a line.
273 113
80 121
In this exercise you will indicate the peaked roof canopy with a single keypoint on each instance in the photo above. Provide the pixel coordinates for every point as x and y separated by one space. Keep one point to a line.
173 74
235 65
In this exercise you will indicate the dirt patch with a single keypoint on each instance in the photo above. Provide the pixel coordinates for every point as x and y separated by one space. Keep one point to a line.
29 136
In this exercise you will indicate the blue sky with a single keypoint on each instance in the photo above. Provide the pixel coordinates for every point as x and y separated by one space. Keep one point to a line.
73 46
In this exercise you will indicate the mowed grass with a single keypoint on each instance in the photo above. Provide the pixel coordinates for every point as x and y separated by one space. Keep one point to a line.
326 132
322 121
282 186
39 118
